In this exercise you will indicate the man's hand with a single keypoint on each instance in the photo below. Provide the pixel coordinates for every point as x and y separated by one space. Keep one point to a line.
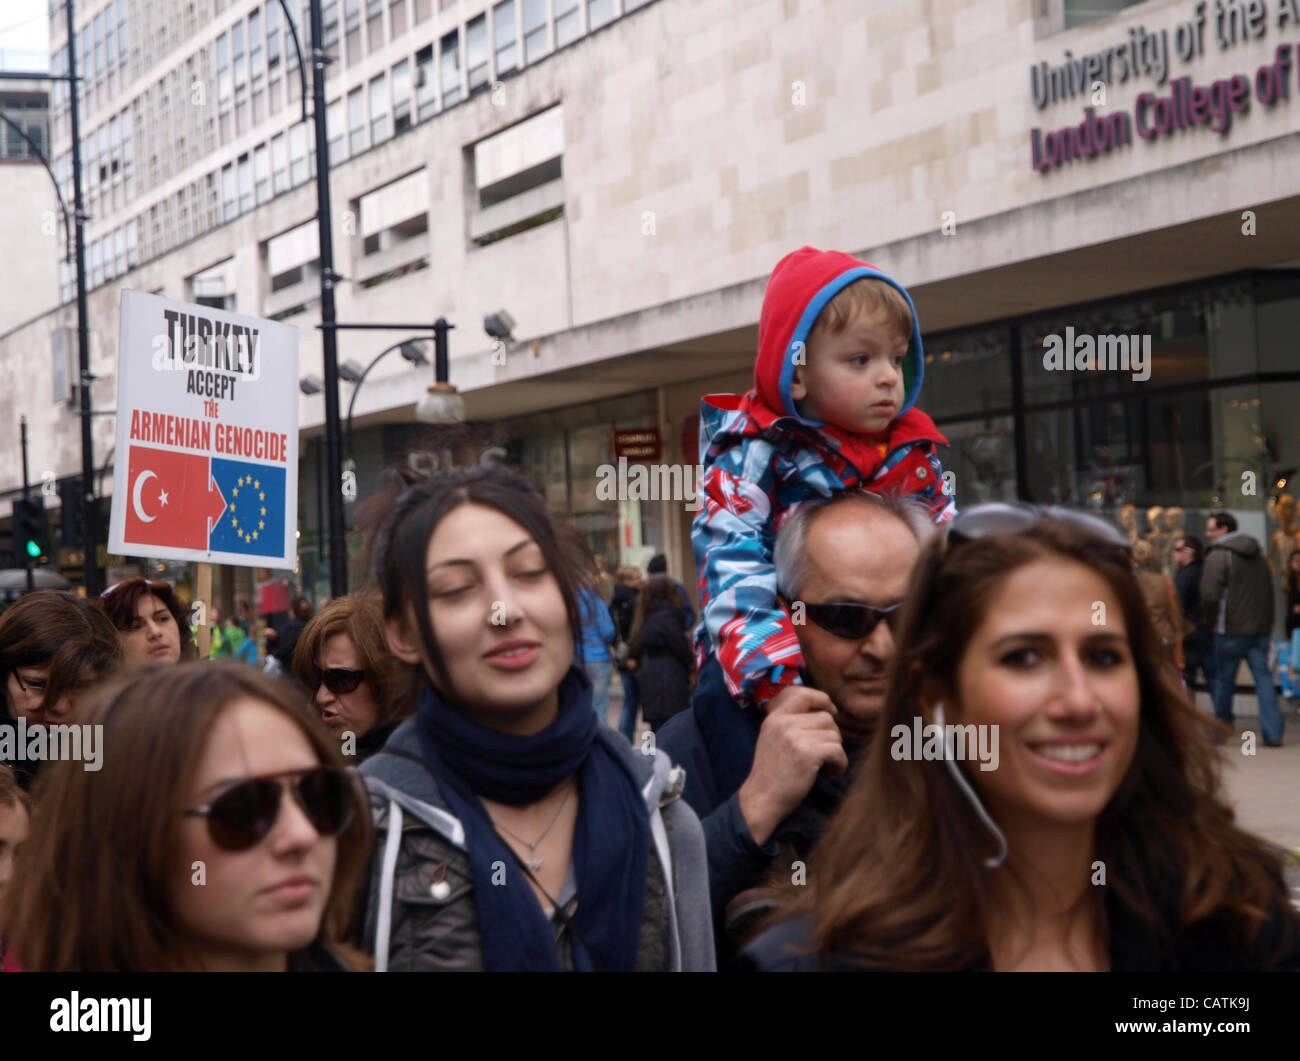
796 739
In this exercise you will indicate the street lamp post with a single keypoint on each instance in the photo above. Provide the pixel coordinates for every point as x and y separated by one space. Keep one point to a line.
90 521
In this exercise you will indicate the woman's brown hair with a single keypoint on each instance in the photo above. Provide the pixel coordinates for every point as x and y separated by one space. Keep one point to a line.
899 881
657 591
121 600
94 894
361 618
67 633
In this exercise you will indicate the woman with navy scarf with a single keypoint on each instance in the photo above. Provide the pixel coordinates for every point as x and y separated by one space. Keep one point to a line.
514 832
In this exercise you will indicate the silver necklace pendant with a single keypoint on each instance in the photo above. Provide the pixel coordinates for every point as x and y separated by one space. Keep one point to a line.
535 865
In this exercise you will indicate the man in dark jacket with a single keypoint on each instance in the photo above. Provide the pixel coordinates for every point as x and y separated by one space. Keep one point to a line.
1237 604
858 550
658 565
1188 553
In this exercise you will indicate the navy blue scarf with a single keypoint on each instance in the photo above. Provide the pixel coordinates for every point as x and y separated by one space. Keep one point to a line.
610 843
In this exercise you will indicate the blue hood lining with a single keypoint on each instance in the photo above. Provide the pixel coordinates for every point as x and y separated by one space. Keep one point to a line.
809 317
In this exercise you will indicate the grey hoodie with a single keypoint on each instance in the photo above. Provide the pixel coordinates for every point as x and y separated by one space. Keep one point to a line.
1237 587
417 833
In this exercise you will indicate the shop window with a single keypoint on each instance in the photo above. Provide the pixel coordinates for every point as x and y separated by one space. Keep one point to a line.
967 372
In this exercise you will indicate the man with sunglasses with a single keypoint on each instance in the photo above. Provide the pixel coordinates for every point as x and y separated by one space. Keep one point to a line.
842 569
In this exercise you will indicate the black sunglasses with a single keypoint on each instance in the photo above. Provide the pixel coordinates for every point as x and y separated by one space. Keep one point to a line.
851 621
338 679
1004 517
244 814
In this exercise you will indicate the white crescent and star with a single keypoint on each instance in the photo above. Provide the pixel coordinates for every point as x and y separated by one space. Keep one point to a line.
143 478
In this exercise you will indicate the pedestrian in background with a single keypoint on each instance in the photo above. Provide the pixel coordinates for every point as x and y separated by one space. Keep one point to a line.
658 565
151 620
286 640
54 647
598 635
660 652
1101 764
622 609
356 682
1237 602
222 833
1161 600
1198 643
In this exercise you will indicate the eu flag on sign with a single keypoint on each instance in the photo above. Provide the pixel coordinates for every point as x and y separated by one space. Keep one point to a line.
253 522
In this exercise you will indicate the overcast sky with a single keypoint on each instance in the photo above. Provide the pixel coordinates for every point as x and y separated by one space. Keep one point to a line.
24 26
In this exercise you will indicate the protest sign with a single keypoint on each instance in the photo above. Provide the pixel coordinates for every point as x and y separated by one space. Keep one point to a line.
207 436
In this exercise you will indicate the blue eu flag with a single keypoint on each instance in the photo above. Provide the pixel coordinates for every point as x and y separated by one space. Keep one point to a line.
253 522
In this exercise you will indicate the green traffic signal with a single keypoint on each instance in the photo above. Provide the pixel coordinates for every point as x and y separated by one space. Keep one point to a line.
33 550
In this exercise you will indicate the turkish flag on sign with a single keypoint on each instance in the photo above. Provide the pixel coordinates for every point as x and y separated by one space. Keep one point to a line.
171 497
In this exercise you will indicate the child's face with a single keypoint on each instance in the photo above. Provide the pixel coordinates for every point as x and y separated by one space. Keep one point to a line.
853 380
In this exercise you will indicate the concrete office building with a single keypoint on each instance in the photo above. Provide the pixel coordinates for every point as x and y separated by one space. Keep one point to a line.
621 178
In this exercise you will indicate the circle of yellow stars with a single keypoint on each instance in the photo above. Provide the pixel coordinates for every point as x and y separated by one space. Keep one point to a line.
247 535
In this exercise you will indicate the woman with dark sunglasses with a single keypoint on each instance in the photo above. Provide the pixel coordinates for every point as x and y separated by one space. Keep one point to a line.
343 657
518 834
1065 813
222 833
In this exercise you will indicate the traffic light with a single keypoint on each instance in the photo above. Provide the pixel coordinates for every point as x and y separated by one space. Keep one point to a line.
31 530
71 513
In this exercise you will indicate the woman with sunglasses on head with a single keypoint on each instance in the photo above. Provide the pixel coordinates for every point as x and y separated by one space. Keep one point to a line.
54 647
664 664
1065 815
151 619
516 832
343 657
221 834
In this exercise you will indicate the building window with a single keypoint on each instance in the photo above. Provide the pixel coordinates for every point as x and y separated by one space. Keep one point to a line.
1081 12
245 184
298 164
518 177
229 203
352 29
336 131
476 58
394 226
293 263
272 35
224 87
329 34
426 93
397 12
599 12
423 9
379 128
357 121
214 286
279 164
374 24
566 22
535 43
261 174
401 96
504 37
450 62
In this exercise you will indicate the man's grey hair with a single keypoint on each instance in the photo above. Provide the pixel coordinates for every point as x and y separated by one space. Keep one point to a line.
790 557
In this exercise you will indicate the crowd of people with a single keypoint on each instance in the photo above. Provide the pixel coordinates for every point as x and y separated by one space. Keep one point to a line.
900 737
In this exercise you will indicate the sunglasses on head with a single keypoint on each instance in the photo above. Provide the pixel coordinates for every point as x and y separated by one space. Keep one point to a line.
1002 517
851 621
245 813
338 679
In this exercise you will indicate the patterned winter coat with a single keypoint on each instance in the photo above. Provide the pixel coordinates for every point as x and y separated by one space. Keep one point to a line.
762 460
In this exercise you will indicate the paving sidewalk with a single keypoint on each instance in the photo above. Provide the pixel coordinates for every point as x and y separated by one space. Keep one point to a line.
1264 788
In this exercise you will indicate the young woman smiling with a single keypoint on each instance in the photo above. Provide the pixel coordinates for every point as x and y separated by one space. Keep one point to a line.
516 832
1101 840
